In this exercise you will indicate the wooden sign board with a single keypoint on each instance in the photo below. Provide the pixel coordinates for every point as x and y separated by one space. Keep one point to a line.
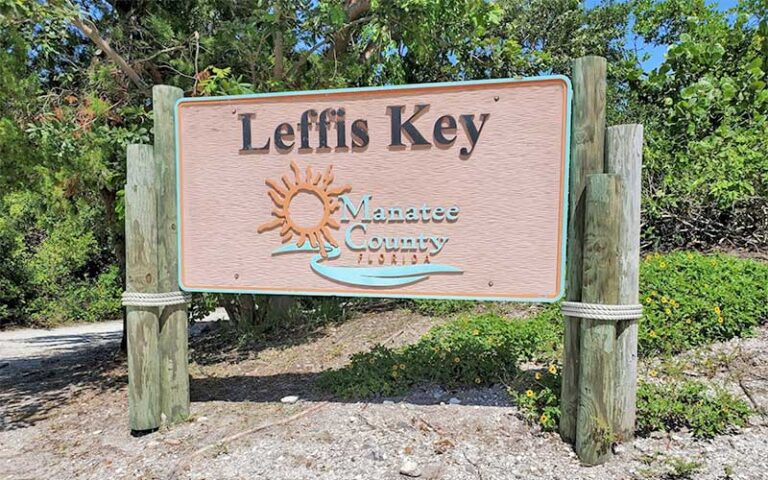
453 190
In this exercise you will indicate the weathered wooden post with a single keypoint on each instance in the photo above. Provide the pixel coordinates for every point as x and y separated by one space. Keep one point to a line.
587 150
624 157
141 278
600 285
174 376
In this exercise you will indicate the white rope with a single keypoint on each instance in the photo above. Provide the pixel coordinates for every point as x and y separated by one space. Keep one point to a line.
138 299
596 311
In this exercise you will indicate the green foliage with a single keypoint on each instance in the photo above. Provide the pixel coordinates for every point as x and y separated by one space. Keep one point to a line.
688 404
669 407
441 308
705 112
693 299
539 397
470 350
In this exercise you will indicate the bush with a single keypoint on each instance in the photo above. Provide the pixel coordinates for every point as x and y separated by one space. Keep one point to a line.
693 299
539 398
88 300
470 350
441 308
689 404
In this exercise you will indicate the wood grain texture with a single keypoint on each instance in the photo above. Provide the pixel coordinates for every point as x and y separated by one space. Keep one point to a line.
141 276
174 377
624 152
508 237
600 284
587 151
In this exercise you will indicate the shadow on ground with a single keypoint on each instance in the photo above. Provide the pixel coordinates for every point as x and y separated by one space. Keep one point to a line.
31 387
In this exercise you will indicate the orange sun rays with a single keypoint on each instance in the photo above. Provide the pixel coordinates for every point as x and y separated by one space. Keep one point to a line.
318 184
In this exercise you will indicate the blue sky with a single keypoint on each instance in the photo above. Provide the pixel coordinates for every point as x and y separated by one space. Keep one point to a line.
657 52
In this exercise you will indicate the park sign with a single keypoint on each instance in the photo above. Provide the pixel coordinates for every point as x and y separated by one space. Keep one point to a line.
450 190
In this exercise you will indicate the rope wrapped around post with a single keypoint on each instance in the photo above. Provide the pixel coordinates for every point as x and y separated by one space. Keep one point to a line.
597 311
138 299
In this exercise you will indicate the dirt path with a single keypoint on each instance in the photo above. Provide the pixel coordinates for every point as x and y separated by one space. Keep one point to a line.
68 420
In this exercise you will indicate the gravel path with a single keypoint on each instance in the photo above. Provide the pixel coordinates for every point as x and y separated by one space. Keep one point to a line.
68 420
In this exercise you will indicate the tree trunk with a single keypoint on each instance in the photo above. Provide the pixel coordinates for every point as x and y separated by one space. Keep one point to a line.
117 237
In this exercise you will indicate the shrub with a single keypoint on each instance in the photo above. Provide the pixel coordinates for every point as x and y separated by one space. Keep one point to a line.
539 398
688 404
470 350
441 308
693 299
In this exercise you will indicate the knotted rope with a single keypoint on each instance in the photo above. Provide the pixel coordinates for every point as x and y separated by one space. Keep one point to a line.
597 311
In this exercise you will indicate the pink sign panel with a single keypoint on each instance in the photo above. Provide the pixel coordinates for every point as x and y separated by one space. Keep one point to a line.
453 190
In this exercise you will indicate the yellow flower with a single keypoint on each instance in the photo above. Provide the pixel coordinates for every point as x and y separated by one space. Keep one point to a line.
673 302
652 334
688 320
394 374
537 376
663 264
689 256
652 373
543 419
713 263
529 393
720 320
475 332
456 359
402 366
668 311
648 300
664 300
552 369
477 380
717 310
654 293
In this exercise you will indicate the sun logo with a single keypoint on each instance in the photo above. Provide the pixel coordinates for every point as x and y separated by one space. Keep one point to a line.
312 187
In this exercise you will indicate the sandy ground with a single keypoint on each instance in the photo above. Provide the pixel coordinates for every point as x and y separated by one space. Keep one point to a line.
63 414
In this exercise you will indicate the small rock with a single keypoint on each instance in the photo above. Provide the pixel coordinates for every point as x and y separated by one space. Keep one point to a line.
409 468
619 449
454 401
437 393
96 432
290 399
388 402
377 454
202 419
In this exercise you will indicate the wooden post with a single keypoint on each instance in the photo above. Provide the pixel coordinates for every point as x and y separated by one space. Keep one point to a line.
587 150
624 157
600 284
141 276
174 376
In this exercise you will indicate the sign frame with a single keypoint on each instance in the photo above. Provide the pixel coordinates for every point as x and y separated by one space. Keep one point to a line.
564 210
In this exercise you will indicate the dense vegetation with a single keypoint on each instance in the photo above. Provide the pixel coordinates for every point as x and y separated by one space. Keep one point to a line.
69 106
692 299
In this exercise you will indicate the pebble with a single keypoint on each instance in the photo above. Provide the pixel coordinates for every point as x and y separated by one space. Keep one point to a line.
290 399
454 401
388 402
409 468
